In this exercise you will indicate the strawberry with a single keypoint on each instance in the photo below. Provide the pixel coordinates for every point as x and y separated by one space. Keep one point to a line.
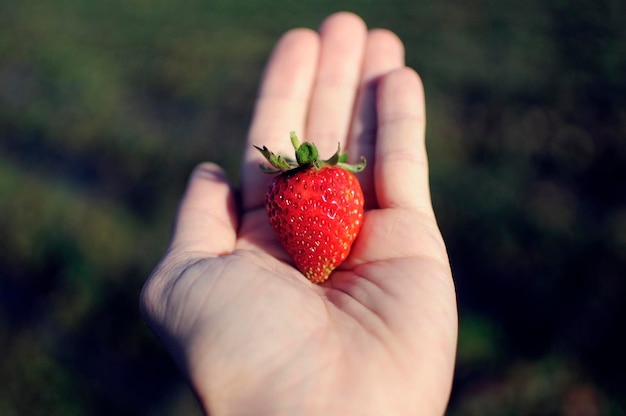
314 206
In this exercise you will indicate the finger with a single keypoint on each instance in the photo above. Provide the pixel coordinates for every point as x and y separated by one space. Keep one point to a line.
401 168
343 38
384 53
206 221
281 107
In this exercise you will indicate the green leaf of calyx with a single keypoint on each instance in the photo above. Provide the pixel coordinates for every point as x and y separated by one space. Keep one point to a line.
341 159
275 160
307 155
353 168
335 158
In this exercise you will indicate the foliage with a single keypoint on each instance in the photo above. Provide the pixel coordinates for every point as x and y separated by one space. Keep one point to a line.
105 107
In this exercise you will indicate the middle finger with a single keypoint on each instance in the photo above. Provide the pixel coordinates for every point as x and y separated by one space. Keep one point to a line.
343 37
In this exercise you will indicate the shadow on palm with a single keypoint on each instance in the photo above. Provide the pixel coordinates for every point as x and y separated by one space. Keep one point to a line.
391 239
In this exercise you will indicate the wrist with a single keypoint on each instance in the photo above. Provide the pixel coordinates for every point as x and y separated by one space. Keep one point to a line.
270 399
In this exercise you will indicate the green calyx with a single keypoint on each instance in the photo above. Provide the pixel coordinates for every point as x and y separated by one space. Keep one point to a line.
307 156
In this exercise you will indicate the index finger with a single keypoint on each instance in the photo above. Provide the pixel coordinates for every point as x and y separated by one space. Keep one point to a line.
281 107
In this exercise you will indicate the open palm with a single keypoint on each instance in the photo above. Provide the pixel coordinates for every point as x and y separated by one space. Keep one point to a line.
252 334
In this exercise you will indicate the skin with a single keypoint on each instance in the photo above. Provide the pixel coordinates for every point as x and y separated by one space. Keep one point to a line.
249 331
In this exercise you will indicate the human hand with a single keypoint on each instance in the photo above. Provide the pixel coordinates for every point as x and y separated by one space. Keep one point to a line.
250 332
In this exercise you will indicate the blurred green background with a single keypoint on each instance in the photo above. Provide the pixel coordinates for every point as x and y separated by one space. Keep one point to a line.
106 106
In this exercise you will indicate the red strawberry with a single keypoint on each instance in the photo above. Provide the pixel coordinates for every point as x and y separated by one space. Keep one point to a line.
315 207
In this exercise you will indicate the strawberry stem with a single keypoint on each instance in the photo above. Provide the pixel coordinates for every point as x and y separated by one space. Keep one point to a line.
294 140
306 155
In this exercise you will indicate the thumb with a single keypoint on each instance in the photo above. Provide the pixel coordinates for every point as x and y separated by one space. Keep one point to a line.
206 222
